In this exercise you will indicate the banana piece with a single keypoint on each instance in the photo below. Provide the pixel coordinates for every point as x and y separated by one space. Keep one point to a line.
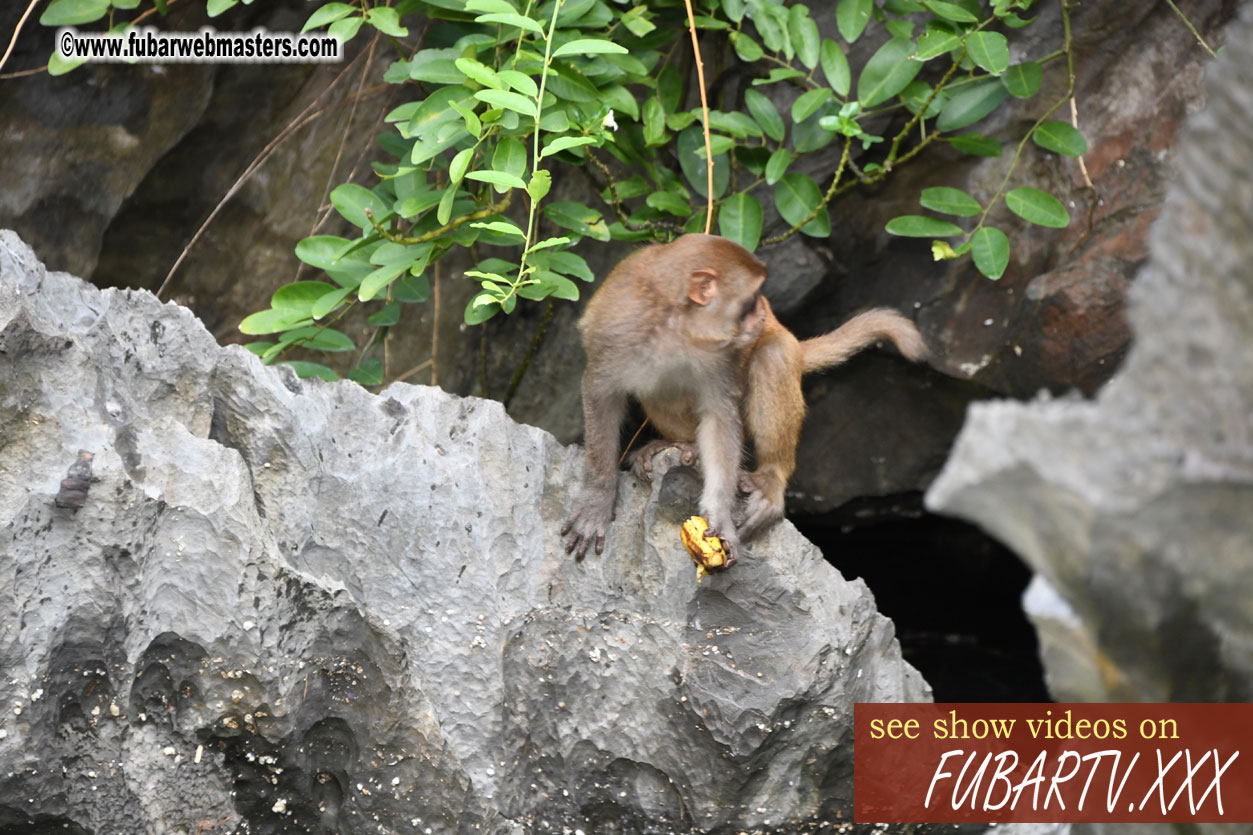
708 553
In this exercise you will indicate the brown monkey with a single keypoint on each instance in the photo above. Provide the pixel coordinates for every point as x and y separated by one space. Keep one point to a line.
684 328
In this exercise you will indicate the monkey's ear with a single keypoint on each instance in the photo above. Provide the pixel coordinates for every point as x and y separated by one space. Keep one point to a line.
703 287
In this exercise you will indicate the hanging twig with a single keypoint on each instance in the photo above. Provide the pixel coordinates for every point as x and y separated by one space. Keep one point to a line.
704 109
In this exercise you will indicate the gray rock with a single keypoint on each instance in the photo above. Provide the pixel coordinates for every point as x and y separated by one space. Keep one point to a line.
298 607
1134 508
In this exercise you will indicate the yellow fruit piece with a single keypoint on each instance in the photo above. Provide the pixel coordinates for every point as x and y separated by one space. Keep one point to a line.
707 552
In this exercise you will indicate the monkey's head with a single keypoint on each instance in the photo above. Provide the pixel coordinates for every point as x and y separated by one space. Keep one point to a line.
723 301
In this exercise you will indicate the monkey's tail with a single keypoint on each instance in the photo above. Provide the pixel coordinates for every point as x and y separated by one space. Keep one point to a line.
863 330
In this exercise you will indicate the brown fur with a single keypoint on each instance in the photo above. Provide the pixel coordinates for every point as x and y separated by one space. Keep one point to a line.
683 328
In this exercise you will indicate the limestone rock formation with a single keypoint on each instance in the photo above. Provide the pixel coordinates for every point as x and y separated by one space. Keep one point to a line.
1135 508
287 606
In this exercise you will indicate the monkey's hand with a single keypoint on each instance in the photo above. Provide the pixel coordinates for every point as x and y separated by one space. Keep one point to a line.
591 518
642 459
764 505
723 527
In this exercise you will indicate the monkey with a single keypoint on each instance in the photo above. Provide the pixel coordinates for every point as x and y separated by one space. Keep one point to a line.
685 329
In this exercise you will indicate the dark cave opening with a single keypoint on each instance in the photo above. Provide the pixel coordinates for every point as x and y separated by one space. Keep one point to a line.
953 592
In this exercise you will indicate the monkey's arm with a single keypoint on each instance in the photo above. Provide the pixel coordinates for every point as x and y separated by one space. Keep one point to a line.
720 442
604 408
774 411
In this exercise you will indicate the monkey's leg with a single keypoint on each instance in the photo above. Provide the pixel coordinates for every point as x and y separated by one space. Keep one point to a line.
719 441
642 458
774 411
603 411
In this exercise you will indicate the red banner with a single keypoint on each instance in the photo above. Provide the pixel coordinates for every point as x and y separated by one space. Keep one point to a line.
1044 763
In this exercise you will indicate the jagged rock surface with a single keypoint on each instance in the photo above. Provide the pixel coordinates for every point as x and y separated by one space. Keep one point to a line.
299 607
1135 508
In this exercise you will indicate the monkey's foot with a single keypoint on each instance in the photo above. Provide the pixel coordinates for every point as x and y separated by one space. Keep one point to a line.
591 519
642 459
760 511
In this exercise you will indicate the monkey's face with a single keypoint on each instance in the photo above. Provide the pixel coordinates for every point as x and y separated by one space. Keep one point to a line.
728 309
752 319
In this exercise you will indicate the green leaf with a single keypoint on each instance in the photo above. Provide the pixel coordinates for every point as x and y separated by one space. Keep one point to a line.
636 23
654 122
386 20
746 48
329 301
990 250
378 280
385 318
541 182
921 226
740 219
510 101
1023 80
971 103
503 227
950 201
510 157
368 373
564 262
669 88
511 19
736 124
804 34
1060 137
317 338
668 201
411 288
1038 207
329 13
778 74
259 348
777 166
480 308
58 65
299 296
690 147
473 125
887 72
345 28
950 11
306 370
619 98
562 143
976 144
990 50
479 72
519 81
273 321
807 103
436 66
352 201
939 39
548 243
917 92
457 168
851 17
578 218
771 23
795 196
765 113
321 251
444 211
589 46
73 12
835 67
